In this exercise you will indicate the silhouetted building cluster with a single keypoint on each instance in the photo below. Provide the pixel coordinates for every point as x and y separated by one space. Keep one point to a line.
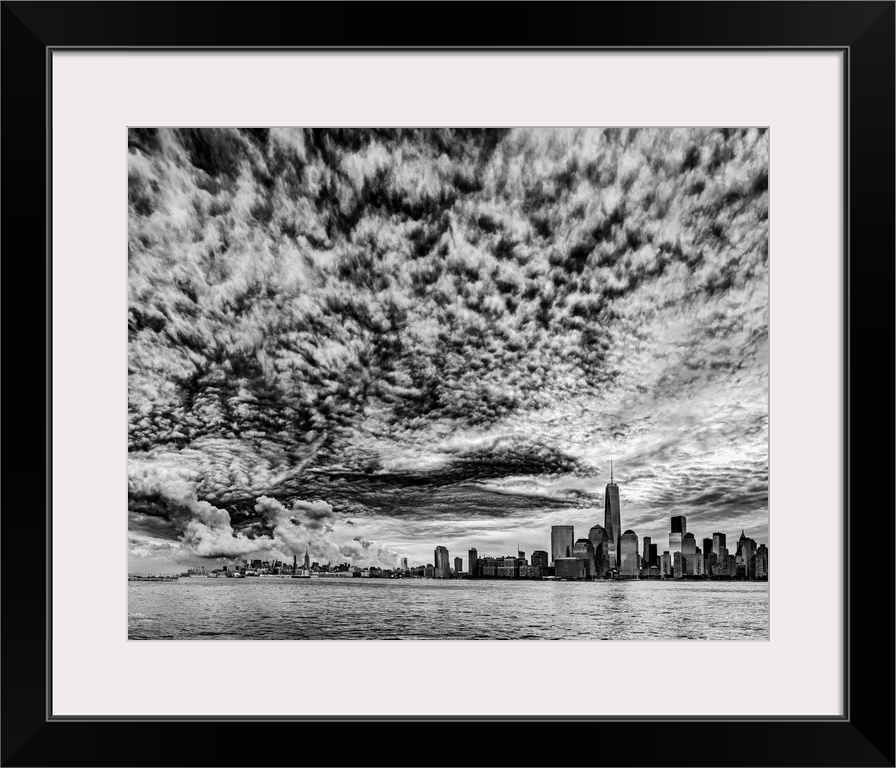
608 552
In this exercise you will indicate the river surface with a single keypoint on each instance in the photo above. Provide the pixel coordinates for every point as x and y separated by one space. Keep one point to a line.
415 609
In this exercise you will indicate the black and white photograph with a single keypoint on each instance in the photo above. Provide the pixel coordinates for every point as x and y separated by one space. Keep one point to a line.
448 384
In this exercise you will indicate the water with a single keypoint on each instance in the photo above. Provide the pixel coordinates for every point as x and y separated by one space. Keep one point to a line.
381 609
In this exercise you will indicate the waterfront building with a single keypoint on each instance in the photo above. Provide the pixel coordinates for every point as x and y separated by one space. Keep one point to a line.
679 529
600 542
584 550
760 564
666 564
629 564
677 565
428 571
404 563
689 554
473 562
746 548
719 543
307 564
571 568
732 565
507 568
654 559
458 565
612 522
562 541
645 558
539 559
707 546
441 568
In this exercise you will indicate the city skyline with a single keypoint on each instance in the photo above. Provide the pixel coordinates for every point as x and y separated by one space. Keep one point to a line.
371 343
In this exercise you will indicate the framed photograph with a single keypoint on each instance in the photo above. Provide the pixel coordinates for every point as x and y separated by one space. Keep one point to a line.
465 338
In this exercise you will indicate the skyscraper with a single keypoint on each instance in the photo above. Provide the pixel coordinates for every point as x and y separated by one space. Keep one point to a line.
584 550
679 529
458 565
611 519
645 557
628 554
307 565
666 564
473 562
404 563
718 542
441 569
654 559
540 558
746 548
707 546
598 538
760 568
689 554
562 541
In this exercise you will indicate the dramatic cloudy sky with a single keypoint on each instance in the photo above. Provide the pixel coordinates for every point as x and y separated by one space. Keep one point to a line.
369 343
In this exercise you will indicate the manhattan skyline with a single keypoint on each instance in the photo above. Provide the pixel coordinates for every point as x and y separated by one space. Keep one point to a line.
363 343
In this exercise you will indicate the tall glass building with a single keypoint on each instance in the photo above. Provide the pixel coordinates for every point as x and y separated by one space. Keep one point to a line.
679 529
441 568
598 538
562 541
629 559
611 520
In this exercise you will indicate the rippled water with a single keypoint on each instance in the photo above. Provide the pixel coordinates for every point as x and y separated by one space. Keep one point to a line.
354 609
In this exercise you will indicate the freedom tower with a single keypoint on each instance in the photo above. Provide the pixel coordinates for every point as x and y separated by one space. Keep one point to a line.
611 519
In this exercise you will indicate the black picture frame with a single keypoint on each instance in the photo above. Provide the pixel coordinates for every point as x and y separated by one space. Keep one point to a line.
863 31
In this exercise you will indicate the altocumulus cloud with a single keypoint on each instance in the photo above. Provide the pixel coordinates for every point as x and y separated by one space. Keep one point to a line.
364 343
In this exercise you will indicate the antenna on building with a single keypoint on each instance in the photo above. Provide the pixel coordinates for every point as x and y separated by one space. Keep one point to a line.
611 470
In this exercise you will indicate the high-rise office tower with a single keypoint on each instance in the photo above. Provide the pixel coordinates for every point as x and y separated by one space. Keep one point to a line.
645 561
441 569
677 565
307 561
611 519
760 569
404 563
707 546
562 541
540 559
718 542
599 540
654 559
679 529
666 564
628 554
473 562
689 554
458 565
746 548
584 550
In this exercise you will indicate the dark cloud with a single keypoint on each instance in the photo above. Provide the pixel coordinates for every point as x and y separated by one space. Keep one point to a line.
442 325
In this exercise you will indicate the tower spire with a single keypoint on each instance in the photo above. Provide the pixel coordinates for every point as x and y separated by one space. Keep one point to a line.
611 470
